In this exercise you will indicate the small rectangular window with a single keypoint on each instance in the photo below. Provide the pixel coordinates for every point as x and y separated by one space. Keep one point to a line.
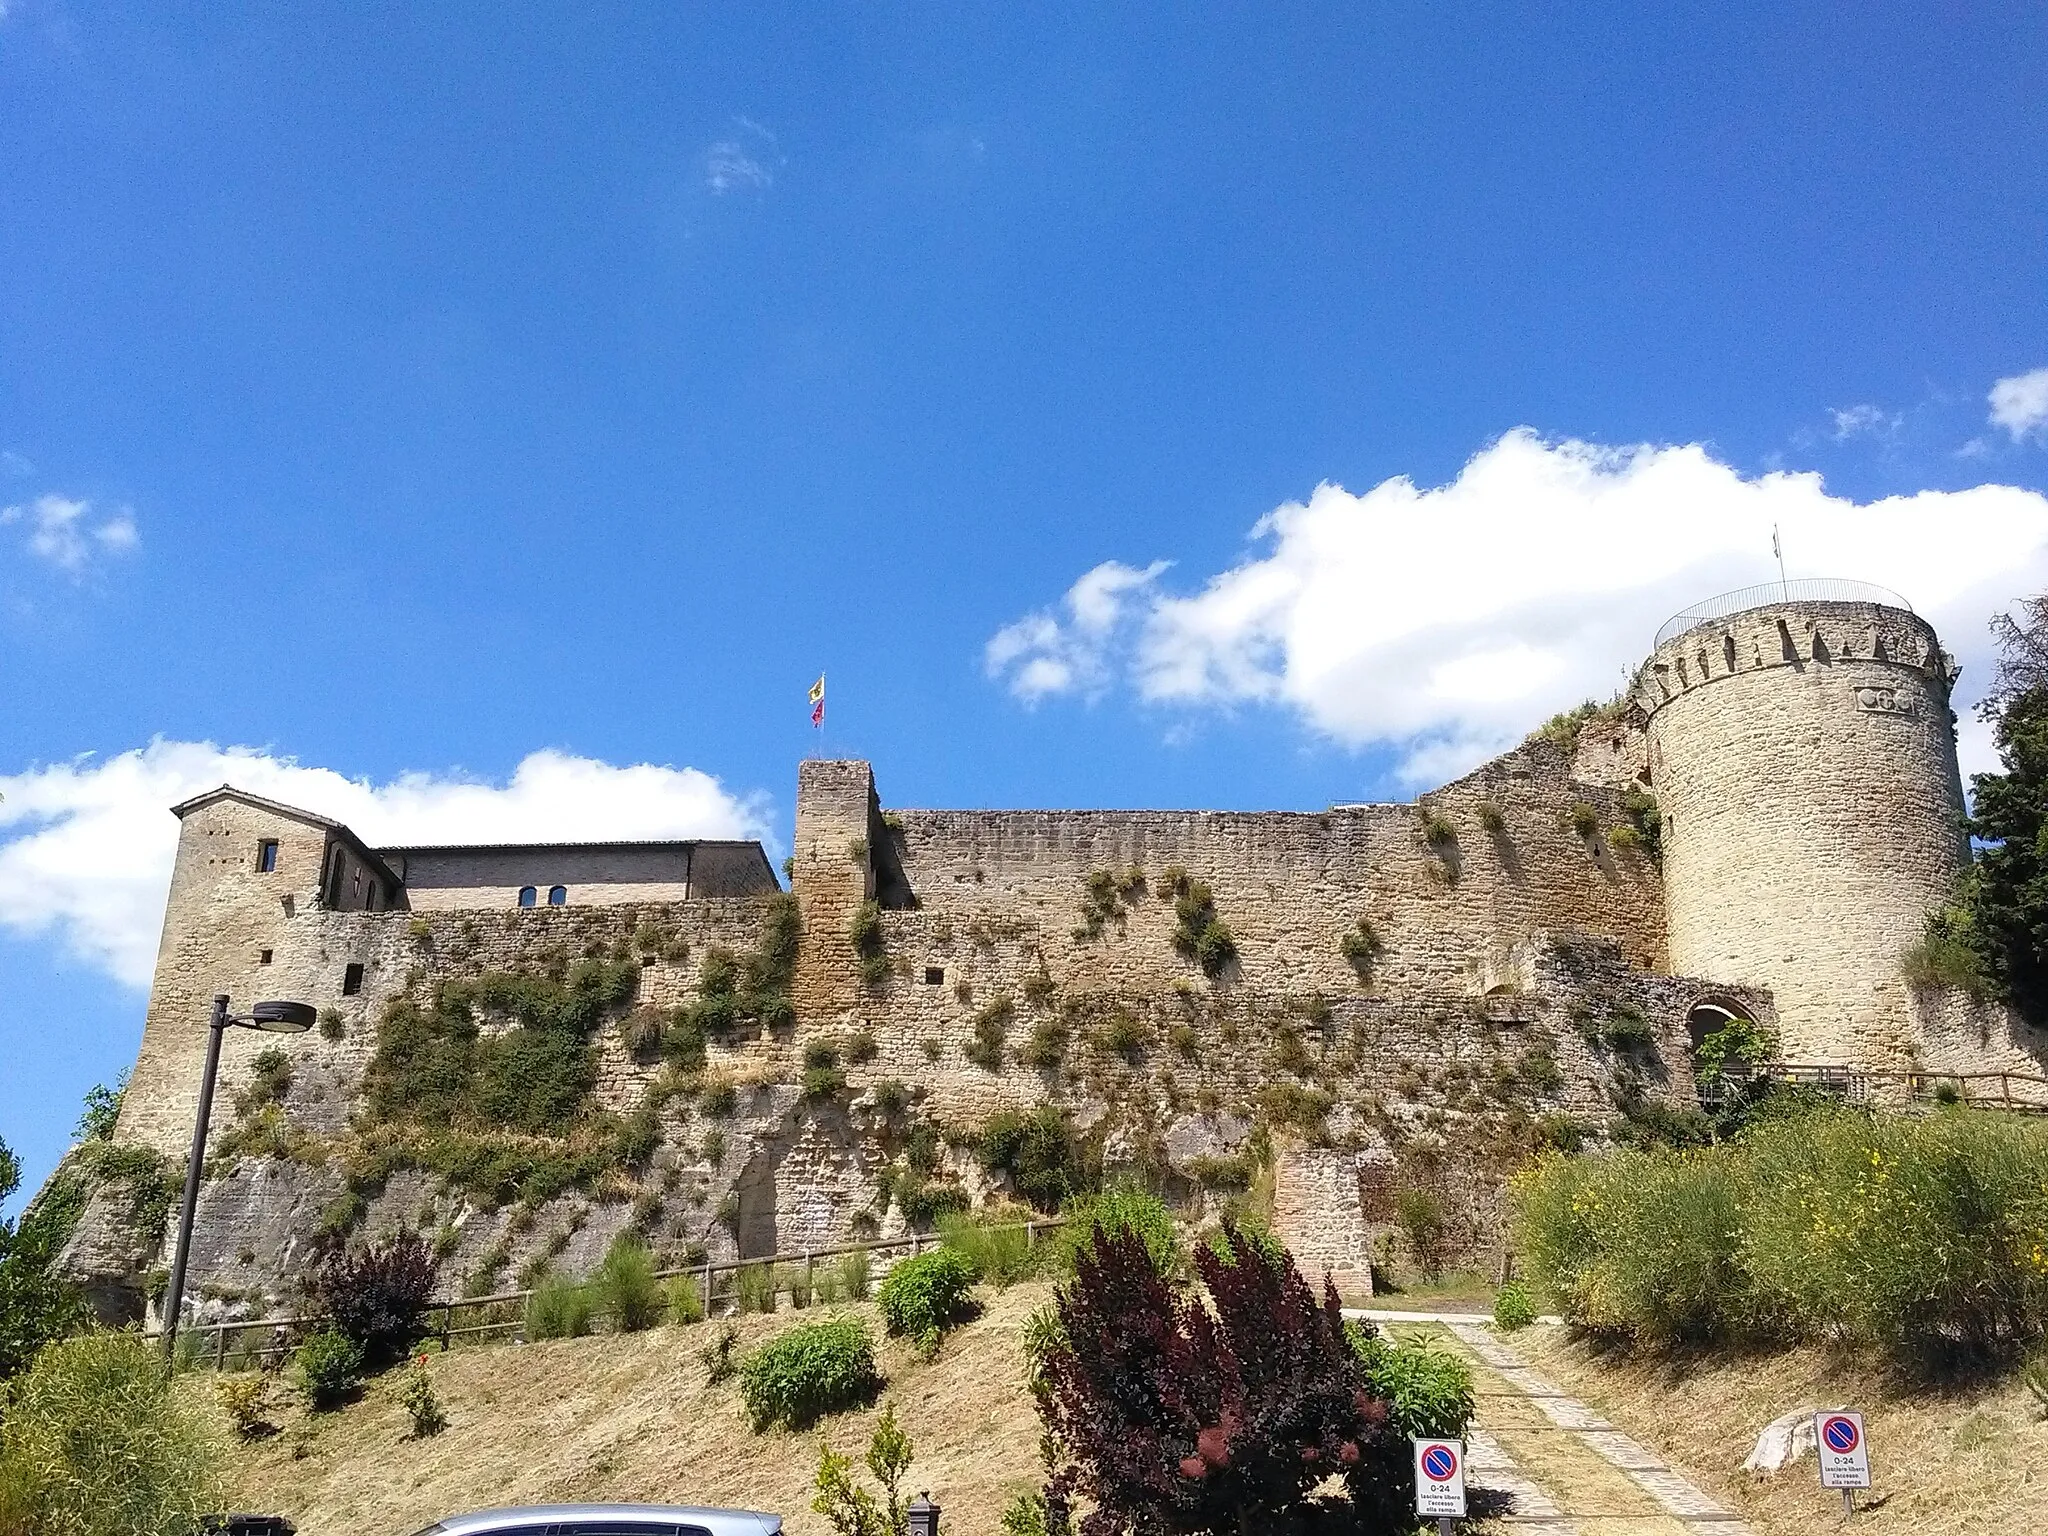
934 976
351 980
263 957
266 855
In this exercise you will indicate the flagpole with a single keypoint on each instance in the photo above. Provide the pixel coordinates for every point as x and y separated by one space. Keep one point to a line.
1784 586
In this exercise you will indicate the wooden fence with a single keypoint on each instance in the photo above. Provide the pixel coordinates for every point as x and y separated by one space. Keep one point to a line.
510 1306
2021 1091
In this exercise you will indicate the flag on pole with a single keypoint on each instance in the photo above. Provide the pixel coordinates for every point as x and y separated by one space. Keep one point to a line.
1776 554
818 701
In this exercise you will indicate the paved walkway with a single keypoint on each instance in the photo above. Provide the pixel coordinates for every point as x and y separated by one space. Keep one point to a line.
1577 1475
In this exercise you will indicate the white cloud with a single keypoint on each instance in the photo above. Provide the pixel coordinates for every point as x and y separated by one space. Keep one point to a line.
1449 621
1042 654
741 162
64 532
1865 421
2020 404
86 847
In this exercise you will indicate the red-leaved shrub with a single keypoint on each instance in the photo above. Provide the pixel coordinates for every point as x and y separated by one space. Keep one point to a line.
376 1295
1172 1417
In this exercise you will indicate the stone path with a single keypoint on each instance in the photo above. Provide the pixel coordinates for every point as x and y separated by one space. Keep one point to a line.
1620 1489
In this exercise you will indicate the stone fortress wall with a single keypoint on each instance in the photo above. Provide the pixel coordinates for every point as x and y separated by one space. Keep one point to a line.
1515 918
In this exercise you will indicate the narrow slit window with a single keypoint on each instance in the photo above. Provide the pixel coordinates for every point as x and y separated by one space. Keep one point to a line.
526 896
266 855
558 895
351 980
263 957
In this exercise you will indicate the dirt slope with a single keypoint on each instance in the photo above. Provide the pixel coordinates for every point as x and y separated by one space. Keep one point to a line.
632 1417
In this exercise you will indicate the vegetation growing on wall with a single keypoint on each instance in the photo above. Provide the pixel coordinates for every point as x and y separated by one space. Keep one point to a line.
1040 1153
1644 830
1107 897
1564 729
870 949
991 1029
752 990
1361 948
1200 934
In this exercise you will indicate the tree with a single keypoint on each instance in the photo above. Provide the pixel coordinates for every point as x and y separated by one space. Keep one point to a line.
36 1306
2003 897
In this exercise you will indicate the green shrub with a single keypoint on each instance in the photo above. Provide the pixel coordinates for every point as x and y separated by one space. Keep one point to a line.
245 1399
754 1288
812 1370
1437 830
1428 1389
1000 1250
328 1367
331 1026
1513 1309
685 1299
1124 1210
558 1309
1420 1215
924 1296
416 1397
861 1047
1200 934
97 1442
1944 957
1491 819
1584 819
853 1274
623 1286
1038 1152
849 1508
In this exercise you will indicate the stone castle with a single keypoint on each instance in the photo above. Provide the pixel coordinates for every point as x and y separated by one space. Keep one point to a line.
1317 1010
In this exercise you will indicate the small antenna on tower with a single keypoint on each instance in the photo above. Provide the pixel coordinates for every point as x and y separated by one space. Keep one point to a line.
1777 549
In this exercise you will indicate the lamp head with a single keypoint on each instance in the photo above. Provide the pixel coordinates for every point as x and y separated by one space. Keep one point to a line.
283 1018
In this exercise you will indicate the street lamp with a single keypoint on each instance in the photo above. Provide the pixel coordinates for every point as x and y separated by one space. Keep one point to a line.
274 1018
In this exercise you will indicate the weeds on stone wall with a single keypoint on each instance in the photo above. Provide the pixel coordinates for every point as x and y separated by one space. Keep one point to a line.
1644 830
1583 819
1107 897
1361 947
1046 1047
1944 956
1121 1035
869 946
1491 819
824 1078
1437 830
1563 730
1046 1161
991 1029
1306 1110
1199 934
738 991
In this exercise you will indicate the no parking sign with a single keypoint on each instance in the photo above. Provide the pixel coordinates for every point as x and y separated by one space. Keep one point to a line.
1439 1477
1844 1451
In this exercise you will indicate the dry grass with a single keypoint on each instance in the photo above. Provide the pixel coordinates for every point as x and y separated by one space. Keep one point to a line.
631 1417
1945 1463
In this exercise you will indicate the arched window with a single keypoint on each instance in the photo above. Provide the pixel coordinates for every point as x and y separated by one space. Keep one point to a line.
526 895
334 872
558 895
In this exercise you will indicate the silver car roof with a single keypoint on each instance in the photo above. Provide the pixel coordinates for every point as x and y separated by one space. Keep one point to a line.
720 1522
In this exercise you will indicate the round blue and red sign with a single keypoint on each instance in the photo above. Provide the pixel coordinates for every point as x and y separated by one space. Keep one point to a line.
1438 1464
1840 1434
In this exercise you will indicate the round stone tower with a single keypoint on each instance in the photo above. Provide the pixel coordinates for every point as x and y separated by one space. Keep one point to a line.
1804 757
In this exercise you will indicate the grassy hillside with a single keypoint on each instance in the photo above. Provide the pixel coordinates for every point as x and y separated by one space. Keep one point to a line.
624 1417
1945 1463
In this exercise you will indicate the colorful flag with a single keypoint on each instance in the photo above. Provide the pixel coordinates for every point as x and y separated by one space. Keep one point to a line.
818 701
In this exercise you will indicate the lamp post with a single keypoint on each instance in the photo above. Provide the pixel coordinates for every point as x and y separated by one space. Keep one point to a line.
274 1018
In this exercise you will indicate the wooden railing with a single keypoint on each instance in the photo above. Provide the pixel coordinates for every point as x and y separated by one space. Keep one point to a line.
2021 1091
285 1331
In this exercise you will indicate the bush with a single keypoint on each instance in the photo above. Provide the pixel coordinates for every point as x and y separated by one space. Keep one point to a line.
1000 1250
416 1397
245 1399
623 1286
328 1367
1092 1220
1201 935
808 1372
1914 1236
1361 948
869 945
1038 1152
559 1308
97 1443
849 1508
1428 1389
36 1305
991 1029
685 1300
854 1274
377 1295
1420 1215
754 1288
1513 1308
1047 1046
1170 1415
924 1296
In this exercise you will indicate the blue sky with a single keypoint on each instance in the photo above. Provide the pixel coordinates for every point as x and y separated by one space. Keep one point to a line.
417 390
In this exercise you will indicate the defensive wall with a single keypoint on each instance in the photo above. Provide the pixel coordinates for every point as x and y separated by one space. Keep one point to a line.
1411 996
